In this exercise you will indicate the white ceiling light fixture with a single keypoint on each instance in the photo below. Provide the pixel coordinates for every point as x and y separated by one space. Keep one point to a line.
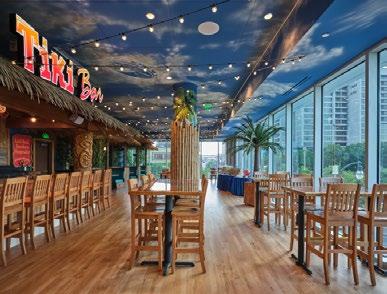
325 35
150 15
208 28
268 16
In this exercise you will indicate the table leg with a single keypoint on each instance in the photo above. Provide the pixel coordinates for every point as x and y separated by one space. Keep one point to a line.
301 226
257 219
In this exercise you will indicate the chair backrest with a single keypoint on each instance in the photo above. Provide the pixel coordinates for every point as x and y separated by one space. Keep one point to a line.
378 201
282 172
303 175
97 177
13 193
107 177
86 179
60 183
135 200
145 182
276 182
74 183
260 174
41 189
152 178
323 182
133 184
342 199
301 182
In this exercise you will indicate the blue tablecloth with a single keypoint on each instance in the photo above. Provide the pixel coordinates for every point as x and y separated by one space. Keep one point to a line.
224 182
238 186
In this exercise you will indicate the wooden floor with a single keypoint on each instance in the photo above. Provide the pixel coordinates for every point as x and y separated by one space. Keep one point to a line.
240 258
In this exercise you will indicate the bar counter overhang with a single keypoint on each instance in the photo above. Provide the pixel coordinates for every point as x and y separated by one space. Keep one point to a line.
28 93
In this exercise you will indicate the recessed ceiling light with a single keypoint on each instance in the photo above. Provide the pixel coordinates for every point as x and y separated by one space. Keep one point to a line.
268 16
169 78
150 15
208 28
325 35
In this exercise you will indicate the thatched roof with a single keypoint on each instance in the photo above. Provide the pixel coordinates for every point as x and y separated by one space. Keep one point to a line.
15 78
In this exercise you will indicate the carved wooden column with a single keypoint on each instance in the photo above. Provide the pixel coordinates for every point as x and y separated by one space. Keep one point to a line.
83 151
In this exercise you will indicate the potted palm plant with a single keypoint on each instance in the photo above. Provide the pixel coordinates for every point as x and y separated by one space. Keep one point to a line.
254 136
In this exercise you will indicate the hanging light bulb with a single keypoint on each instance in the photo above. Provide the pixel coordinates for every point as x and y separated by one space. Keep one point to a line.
189 68
214 8
293 61
73 50
248 64
219 82
237 77
230 65
283 60
151 29
167 69
96 68
273 67
97 43
181 19
123 37
299 58
145 69
210 67
121 68
266 63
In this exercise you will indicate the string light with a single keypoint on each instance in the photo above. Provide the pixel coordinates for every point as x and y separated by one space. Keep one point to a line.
214 8
121 68
167 69
123 37
97 43
230 65
96 68
151 29
189 68
210 67
181 19
73 50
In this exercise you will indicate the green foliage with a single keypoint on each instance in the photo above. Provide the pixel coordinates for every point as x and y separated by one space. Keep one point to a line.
209 164
99 154
254 137
64 152
184 106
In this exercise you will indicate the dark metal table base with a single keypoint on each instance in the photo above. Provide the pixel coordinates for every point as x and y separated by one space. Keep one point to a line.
303 265
167 265
257 219
377 268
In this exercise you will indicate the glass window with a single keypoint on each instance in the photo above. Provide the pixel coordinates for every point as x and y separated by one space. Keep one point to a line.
303 135
159 159
343 125
383 117
279 158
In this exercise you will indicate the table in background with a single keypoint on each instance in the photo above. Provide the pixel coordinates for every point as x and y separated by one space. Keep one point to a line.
224 182
238 185
257 213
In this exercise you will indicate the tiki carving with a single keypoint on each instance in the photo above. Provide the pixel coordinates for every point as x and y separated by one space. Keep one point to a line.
83 151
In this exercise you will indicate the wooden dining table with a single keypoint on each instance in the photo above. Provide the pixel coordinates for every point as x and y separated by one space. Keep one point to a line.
171 189
303 192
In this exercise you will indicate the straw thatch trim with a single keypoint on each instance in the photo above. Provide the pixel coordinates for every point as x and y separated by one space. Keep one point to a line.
16 78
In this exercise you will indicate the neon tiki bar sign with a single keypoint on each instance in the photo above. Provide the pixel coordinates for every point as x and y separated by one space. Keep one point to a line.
54 68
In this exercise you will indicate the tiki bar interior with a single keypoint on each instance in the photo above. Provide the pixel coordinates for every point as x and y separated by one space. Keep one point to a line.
178 146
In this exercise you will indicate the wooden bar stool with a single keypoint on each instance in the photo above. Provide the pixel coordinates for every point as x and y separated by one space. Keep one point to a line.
140 217
106 188
58 201
73 196
375 219
37 207
12 213
85 194
180 238
95 198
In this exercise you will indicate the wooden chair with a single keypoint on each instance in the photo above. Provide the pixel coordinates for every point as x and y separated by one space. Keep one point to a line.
37 207
95 198
213 173
180 238
73 196
293 204
140 217
260 174
85 194
58 201
12 213
273 198
340 210
303 175
106 188
374 218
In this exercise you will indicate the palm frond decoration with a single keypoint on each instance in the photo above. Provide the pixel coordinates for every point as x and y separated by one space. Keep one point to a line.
184 106
252 137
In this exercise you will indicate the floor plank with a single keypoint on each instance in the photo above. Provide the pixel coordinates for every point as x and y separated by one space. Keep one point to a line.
240 258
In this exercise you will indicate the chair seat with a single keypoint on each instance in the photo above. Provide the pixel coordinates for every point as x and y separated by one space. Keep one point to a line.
149 210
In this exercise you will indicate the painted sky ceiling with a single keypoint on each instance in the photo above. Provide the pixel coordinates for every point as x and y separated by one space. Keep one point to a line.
144 99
